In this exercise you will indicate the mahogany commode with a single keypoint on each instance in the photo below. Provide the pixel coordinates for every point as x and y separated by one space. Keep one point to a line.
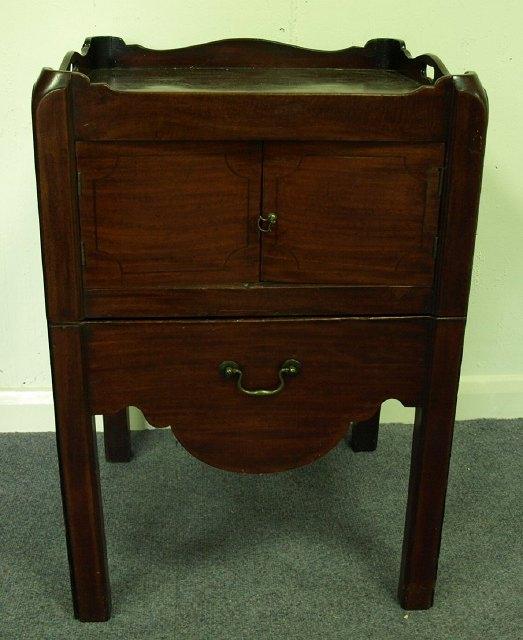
255 244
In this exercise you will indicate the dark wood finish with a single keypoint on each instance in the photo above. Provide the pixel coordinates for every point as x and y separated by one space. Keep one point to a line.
165 215
466 148
388 110
257 299
117 436
153 167
149 115
321 235
79 476
364 435
351 214
431 446
349 367
56 180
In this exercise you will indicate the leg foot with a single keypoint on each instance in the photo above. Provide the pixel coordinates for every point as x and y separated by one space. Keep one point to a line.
79 477
117 437
416 598
364 434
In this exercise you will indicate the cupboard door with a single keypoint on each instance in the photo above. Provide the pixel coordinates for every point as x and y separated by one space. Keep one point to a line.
168 215
353 214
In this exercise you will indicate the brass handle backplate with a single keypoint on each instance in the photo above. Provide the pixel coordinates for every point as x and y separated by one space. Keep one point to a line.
266 224
230 369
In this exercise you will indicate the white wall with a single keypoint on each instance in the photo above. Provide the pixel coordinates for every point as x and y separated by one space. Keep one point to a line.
469 34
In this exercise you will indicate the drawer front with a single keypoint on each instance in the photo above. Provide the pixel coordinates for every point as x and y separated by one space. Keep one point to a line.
156 215
351 214
171 371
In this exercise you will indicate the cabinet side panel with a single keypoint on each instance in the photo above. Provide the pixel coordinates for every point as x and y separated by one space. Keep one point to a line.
461 195
57 196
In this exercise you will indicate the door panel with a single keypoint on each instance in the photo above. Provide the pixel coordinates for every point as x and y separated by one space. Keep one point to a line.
351 214
169 214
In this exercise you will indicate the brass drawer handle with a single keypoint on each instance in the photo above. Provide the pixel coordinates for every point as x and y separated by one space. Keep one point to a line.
266 224
230 369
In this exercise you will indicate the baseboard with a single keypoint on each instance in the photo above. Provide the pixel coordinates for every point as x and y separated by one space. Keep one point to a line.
480 396
32 410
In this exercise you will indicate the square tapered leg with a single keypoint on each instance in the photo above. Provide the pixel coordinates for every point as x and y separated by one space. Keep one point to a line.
431 446
80 481
117 437
364 435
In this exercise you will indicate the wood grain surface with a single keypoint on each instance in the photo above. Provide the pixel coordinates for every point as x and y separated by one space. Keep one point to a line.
157 215
351 214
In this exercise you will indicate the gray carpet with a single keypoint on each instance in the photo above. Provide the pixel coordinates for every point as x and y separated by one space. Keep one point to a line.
197 553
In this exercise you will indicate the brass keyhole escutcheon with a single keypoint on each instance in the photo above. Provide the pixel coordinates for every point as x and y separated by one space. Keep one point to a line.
266 224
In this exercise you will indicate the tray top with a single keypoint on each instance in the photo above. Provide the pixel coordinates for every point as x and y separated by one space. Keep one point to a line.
382 66
252 80
247 89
